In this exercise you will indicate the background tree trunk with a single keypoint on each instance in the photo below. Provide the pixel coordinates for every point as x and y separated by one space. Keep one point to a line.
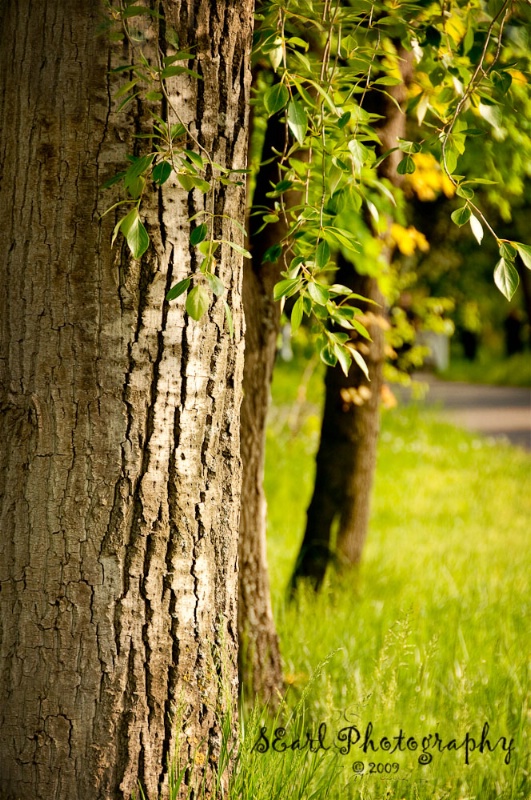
120 464
260 662
346 459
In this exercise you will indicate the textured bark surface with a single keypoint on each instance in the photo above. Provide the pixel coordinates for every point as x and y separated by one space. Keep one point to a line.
260 663
120 463
346 459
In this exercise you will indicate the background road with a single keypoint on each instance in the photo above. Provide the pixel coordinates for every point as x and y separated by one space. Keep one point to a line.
497 411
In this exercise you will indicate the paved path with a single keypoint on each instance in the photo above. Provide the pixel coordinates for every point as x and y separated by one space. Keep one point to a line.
498 411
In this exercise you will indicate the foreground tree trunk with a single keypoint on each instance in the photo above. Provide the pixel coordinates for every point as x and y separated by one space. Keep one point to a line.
120 461
346 459
260 662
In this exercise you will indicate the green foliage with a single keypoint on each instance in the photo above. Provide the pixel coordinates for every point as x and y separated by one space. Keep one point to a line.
320 62
512 371
325 58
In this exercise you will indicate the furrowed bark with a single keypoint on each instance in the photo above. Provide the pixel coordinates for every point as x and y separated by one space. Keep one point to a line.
120 467
260 662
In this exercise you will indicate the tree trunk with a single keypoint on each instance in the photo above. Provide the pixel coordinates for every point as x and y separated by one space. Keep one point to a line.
260 662
120 465
346 459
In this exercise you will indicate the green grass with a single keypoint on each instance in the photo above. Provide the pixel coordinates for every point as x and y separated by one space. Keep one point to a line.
428 636
513 371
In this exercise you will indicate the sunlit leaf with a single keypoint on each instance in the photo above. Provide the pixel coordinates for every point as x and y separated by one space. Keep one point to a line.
477 228
506 278
297 120
197 302
524 251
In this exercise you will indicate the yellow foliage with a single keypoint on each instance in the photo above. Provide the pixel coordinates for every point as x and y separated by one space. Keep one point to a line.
429 180
408 239
455 27
518 77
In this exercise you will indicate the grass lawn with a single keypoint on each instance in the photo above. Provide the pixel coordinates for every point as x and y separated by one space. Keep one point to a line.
429 639
488 368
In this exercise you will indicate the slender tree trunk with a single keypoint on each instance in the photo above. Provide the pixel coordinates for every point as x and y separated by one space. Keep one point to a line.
346 459
120 464
260 662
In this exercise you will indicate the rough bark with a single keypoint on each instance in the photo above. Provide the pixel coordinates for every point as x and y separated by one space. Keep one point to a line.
120 465
260 662
346 459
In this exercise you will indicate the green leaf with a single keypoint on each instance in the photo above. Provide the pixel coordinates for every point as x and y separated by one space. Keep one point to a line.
297 120
461 215
195 158
359 154
140 165
406 166
318 293
322 254
344 119
342 237
360 361
285 288
161 172
134 185
178 289
506 278
465 192
197 302
477 228
272 254
208 248
153 96
115 179
135 233
190 182
280 188
361 329
328 356
276 98
199 234
170 72
215 284
387 80
501 81
343 356
238 248
508 251
297 314
524 251
125 88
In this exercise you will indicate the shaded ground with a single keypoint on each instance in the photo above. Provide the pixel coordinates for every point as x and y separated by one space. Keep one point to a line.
497 411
